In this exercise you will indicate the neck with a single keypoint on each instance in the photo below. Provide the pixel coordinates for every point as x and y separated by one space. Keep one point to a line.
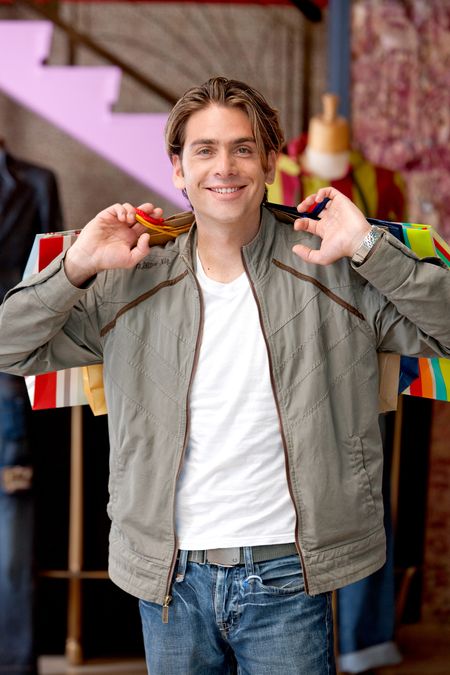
219 248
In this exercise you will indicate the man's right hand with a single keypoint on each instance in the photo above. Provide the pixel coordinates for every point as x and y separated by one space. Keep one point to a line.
112 240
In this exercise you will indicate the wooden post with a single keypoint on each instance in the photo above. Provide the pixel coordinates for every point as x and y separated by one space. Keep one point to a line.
395 464
74 652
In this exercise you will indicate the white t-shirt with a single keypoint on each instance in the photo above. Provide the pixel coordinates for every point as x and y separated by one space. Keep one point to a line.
233 489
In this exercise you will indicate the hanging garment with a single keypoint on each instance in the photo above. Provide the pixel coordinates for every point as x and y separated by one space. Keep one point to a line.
29 204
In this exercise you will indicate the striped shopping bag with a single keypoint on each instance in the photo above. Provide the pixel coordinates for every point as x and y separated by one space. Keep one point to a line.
428 378
64 387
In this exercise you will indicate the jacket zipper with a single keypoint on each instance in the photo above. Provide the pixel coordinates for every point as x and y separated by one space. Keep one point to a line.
283 437
168 596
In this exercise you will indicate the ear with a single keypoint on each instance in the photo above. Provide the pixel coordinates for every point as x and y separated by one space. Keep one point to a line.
271 166
177 172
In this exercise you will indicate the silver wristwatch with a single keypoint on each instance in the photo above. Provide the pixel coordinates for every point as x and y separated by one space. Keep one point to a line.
367 244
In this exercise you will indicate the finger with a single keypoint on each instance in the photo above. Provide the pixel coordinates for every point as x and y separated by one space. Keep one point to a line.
139 229
307 203
143 243
329 192
311 255
149 208
130 213
116 211
307 225
141 249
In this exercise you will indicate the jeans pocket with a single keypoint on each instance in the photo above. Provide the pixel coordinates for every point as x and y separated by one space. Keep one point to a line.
14 447
281 576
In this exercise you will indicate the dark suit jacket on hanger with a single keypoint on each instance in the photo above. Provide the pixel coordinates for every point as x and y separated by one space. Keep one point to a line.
29 205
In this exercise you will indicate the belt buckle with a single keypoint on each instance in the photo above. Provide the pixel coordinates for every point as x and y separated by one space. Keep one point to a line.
225 557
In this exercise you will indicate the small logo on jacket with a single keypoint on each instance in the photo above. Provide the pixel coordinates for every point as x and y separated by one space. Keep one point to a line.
148 264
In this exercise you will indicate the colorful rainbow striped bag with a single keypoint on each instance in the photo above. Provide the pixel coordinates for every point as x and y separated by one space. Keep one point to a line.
428 378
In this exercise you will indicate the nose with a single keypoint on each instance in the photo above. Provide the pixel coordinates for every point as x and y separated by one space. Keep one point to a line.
225 164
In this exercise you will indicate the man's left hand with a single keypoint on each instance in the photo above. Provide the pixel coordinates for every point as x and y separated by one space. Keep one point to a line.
342 228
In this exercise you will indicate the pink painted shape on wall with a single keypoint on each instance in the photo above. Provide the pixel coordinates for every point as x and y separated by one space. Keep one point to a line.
78 100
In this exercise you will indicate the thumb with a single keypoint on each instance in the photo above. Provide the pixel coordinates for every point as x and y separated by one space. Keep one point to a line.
311 255
141 249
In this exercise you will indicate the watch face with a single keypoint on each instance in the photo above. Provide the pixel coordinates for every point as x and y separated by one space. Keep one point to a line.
372 238
368 242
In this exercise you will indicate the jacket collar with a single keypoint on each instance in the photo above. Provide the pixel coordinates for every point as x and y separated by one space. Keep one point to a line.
188 243
256 252
259 252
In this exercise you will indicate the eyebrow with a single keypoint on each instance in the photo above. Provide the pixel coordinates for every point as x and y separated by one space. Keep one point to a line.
210 141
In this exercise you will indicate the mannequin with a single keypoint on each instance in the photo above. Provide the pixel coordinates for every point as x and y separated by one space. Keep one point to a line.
324 156
327 152
29 204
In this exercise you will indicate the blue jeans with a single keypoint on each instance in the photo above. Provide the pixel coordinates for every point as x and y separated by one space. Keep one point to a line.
253 619
366 609
17 649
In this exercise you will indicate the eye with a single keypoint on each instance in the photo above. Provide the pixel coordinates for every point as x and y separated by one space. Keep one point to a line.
204 152
244 150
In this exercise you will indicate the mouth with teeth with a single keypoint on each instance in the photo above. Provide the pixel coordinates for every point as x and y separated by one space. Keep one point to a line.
225 190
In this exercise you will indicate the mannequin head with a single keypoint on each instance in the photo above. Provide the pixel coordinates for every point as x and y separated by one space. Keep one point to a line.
328 148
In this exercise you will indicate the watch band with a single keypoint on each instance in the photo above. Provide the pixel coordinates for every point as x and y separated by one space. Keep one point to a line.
367 244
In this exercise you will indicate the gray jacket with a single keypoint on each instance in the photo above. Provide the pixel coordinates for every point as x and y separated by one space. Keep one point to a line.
323 327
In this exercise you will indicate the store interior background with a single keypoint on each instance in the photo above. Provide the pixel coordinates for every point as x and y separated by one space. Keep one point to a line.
400 117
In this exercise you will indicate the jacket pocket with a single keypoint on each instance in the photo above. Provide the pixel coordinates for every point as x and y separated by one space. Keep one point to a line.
363 478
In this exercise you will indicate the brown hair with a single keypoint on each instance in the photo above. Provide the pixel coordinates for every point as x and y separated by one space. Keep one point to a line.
221 91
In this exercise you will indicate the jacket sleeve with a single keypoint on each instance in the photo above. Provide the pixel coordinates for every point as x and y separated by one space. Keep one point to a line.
48 324
407 300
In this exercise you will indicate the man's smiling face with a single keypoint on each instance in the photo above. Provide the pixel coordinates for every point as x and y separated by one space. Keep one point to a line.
221 168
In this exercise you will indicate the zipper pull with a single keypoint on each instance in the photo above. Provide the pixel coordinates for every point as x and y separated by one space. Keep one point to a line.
165 609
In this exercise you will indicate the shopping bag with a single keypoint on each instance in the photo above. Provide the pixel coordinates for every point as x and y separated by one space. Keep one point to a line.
64 387
94 389
389 371
427 378
79 386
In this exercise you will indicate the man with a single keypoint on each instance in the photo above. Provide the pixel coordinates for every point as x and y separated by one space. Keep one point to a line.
241 382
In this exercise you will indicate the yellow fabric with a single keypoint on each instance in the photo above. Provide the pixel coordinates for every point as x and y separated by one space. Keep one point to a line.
287 165
161 234
94 390
421 240
366 176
